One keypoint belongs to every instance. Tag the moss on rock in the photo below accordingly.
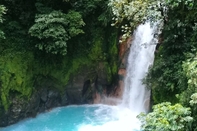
(16, 75)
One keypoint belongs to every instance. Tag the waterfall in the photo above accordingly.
(105, 117)
(141, 56)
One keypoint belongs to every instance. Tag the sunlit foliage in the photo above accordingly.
(167, 117)
(128, 14)
(55, 29)
(2, 12)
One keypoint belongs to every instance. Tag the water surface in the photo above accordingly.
(80, 118)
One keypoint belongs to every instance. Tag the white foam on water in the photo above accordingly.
(118, 119)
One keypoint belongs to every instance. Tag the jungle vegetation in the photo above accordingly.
(172, 79)
(77, 32)
(52, 39)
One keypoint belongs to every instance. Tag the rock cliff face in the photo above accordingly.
(123, 56)
(42, 99)
(81, 89)
(115, 96)
(29, 85)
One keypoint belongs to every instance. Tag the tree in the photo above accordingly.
(128, 14)
(174, 70)
(167, 117)
(54, 29)
(178, 40)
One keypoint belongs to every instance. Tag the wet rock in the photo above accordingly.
(74, 96)
(32, 106)
(16, 111)
(87, 93)
(54, 99)
(3, 118)
(97, 98)
(78, 88)
(85, 87)
(64, 99)
(81, 89)
(43, 94)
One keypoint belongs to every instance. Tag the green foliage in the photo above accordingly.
(100, 48)
(16, 76)
(130, 13)
(17, 38)
(19, 70)
(179, 38)
(42, 9)
(176, 3)
(167, 117)
(164, 78)
(194, 99)
(2, 11)
(193, 103)
(127, 15)
(190, 70)
(112, 70)
(113, 56)
(22, 65)
(55, 29)
(69, 68)
(105, 52)
(173, 76)
(96, 53)
(95, 10)
(87, 6)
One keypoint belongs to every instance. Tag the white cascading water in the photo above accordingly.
(136, 96)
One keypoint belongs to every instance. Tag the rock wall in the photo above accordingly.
(31, 84)
(44, 98)
(115, 96)
(79, 90)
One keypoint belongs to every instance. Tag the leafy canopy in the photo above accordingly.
(175, 66)
(54, 29)
(130, 13)
(166, 117)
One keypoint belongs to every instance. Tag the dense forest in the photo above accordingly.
(47, 47)
(54, 39)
